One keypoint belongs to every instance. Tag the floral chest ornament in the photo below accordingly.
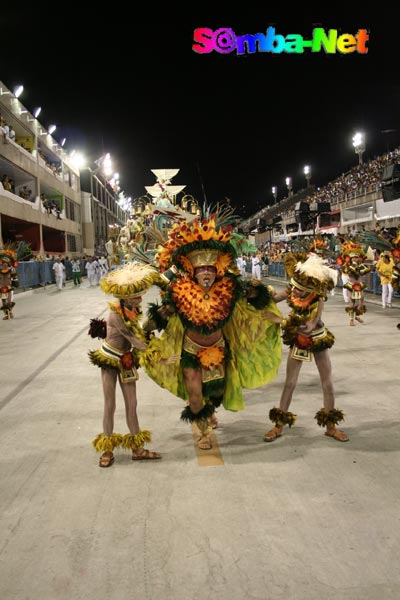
(204, 308)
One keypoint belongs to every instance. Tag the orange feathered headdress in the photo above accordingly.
(199, 243)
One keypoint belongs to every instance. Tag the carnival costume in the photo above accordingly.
(385, 245)
(8, 281)
(247, 354)
(120, 350)
(350, 261)
(313, 278)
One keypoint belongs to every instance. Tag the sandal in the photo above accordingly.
(273, 434)
(106, 459)
(359, 319)
(204, 442)
(145, 454)
(337, 434)
(351, 323)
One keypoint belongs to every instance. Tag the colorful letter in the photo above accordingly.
(274, 43)
(205, 40)
(320, 39)
(294, 43)
(346, 43)
(362, 37)
(252, 43)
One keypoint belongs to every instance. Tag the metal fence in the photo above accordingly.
(33, 274)
(371, 280)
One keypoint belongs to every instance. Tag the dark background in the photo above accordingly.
(234, 125)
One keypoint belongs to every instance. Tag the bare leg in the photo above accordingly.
(109, 379)
(323, 362)
(352, 312)
(292, 375)
(193, 384)
(130, 399)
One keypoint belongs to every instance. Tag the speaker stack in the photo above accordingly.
(302, 213)
(390, 182)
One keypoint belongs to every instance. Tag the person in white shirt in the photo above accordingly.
(59, 271)
(241, 265)
(256, 267)
(93, 271)
(6, 132)
(103, 266)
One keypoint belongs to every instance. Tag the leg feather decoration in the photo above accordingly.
(281, 417)
(98, 328)
(329, 418)
(216, 400)
(107, 443)
(132, 442)
(189, 417)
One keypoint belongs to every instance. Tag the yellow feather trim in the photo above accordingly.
(130, 280)
(131, 442)
(107, 443)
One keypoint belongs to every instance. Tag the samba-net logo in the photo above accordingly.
(225, 41)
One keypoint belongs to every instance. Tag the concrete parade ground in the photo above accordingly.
(303, 518)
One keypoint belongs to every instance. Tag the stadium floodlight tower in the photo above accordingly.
(288, 181)
(307, 174)
(359, 146)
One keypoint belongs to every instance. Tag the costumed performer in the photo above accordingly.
(306, 335)
(226, 330)
(118, 358)
(8, 281)
(351, 263)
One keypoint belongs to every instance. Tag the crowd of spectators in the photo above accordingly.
(52, 207)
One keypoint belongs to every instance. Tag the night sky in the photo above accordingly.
(234, 125)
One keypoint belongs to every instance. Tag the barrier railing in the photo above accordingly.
(34, 274)
(371, 279)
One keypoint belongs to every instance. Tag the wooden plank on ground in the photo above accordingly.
(208, 458)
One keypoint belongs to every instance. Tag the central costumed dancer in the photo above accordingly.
(226, 330)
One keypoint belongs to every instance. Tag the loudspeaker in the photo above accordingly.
(302, 207)
(391, 172)
(323, 207)
(390, 182)
(390, 192)
(261, 224)
(302, 212)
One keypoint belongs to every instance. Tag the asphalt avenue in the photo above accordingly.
(303, 518)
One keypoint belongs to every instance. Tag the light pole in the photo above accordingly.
(359, 146)
(307, 173)
(274, 193)
(289, 185)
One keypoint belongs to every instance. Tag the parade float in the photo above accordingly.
(152, 217)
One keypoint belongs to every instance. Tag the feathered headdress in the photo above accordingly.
(349, 251)
(318, 246)
(8, 258)
(314, 275)
(133, 279)
(201, 242)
